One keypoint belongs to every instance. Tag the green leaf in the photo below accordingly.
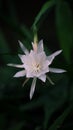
(64, 26)
(60, 119)
(47, 6)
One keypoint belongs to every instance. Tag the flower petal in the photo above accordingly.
(24, 49)
(42, 77)
(22, 57)
(40, 46)
(20, 74)
(55, 70)
(32, 88)
(15, 65)
(52, 56)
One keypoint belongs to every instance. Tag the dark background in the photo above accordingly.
(26, 12)
(12, 97)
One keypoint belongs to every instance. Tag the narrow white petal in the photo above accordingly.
(52, 56)
(20, 73)
(15, 65)
(56, 53)
(55, 70)
(32, 87)
(42, 77)
(21, 57)
(40, 46)
(24, 49)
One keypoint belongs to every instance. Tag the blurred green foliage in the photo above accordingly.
(51, 106)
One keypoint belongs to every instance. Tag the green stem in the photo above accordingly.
(35, 35)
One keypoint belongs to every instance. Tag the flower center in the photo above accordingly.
(36, 67)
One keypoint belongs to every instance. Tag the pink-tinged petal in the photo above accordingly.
(33, 87)
(15, 65)
(22, 57)
(24, 49)
(42, 77)
(52, 56)
(29, 74)
(40, 46)
(55, 70)
(46, 64)
(42, 72)
(20, 74)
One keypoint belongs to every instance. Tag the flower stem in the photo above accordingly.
(35, 35)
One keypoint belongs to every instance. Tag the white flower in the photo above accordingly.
(36, 64)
